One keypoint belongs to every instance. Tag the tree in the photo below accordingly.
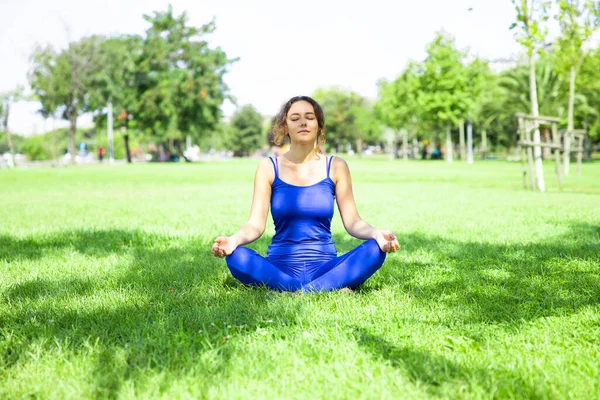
(113, 88)
(485, 99)
(496, 115)
(588, 89)
(481, 83)
(336, 103)
(246, 131)
(397, 106)
(530, 15)
(6, 100)
(62, 81)
(367, 128)
(444, 87)
(178, 80)
(549, 89)
(578, 19)
(349, 118)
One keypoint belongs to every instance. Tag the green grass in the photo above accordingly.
(108, 288)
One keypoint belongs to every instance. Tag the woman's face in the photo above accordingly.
(302, 124)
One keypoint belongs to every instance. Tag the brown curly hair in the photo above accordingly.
(280, 121)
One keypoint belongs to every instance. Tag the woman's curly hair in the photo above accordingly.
(280, 121)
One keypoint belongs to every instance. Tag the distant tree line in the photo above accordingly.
(167, 85)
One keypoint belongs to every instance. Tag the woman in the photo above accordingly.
(300, 187)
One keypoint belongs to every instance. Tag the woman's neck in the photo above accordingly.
(301, 153)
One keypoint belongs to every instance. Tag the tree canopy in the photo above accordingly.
(246, 131)
(167, 83)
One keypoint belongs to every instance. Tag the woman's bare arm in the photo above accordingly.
(255, 226)
(352, 221)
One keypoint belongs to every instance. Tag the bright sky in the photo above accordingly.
(285, 48)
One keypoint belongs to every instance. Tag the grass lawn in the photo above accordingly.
(108, 288)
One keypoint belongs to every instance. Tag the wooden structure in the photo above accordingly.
(527, 125)
(577, 137)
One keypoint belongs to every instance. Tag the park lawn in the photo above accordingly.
(108, 288)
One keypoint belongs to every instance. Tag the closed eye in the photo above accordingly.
(296, 116)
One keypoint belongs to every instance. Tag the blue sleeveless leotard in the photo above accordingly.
(302, 218)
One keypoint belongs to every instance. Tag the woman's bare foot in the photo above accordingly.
(346, 290)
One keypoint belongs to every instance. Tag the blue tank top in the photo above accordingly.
(302, 215)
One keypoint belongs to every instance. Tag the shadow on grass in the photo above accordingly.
(434, 371)
(162, 310)
(92, 243)
(170, 307)
(507, 283)
(39, 287)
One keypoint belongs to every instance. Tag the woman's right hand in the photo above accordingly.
(223, 246)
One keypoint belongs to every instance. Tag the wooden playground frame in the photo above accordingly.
(577, 136)
(527, 125)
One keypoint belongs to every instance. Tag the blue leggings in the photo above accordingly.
(348, 270)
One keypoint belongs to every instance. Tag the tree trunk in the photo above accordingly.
(11, 156)
(469, 142)
(359, 144)
(390, 148)
(537, 150)
(570, 123)
(483, 143)
(448, 145)
(181, 152)
(546, 150)
(587, 143)
(72, 130)
(110, 133)
(461, 140)
(127, 150)
(415, 148)
(405, 145)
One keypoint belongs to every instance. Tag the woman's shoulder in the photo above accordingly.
(338, 162)
(267, 162)
(339, 168)
(266, 168)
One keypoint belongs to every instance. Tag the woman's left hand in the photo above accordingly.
(387, 241)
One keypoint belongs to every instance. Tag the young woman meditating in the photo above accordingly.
(300, 188)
